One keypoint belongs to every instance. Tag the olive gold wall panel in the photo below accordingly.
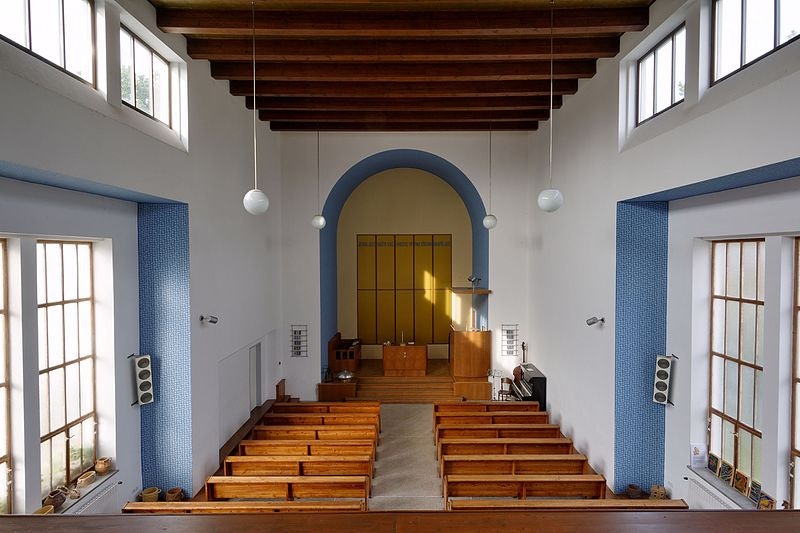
(404, 284)
(401, 203)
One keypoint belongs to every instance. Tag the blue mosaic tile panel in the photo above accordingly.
(164, 333)
(641, 326)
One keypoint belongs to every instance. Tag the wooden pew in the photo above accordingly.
(287, 487)
(226, 507)
(366, 407)
(308, 447)
(479, 406)
(514, 464)
(493, 417)
(316, 433)
(494, 431)
(467, 446)
(298, 465)
(321, 419)
(525, 485)
(542, 504)
(327, 407)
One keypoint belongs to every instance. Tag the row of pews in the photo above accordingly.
(302, 456)
(507, 455)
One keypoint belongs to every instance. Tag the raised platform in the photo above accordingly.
(435, 386)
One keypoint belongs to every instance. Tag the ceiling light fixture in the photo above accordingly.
(551, 199)
(490, 221)
(255, 201)
(318, 221)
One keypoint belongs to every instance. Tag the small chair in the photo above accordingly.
(505, 393)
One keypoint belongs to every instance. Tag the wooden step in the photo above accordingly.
(405, 379)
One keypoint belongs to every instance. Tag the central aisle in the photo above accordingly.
(406, 476)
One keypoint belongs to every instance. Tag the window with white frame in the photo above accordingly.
(145, 78)
(747, 30)
(59, 31)
(5, 407)
(66, 361)
(737, 358)
(661, 76)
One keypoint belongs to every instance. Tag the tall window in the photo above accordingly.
(59, 31)
(737, 318)
(66, 361)
(662, 76)
(795, 466)
(145, 78)
(746, 30)
(5, 410)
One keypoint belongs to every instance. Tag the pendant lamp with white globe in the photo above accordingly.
(551, 198)
(255, 201)
(318, 221)
(490, 221)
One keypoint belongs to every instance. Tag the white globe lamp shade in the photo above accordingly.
(318, 221)
(255, 202)
(489, 221)
(550, 200)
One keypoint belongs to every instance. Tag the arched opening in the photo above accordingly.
(344, 188)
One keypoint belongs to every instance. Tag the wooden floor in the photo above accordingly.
(421, 522)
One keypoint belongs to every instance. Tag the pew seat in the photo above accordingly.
(471, 446)
(514, 464)
(287, 487)
(298, 465)
(562, 503)
(308, 447)
(525, 486)
(234, 507)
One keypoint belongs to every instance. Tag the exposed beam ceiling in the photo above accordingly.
(402, 65)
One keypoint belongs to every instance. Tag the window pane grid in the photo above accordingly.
(6, 477)
(145, 78)
(748, 30)
(661, 74)
(60, 32)
(66, 368)
(735, 361)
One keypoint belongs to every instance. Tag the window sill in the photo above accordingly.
(71, 506)
(723, 489)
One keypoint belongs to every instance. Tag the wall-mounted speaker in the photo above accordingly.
(143, 367)
(662, 378)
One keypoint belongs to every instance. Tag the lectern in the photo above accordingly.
(470, 361)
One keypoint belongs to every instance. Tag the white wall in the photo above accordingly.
(235, 257)
(509, 242)
(742, 123)
(28, 211)
(764, 210)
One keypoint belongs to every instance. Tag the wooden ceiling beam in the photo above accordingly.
(510, 103)
(385, 5)
(402, 24)
(394, 50)
(400, 90)
(400, 72)
(523, 125)
(324, 117)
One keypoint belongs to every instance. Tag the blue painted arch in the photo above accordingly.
(358, 173)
